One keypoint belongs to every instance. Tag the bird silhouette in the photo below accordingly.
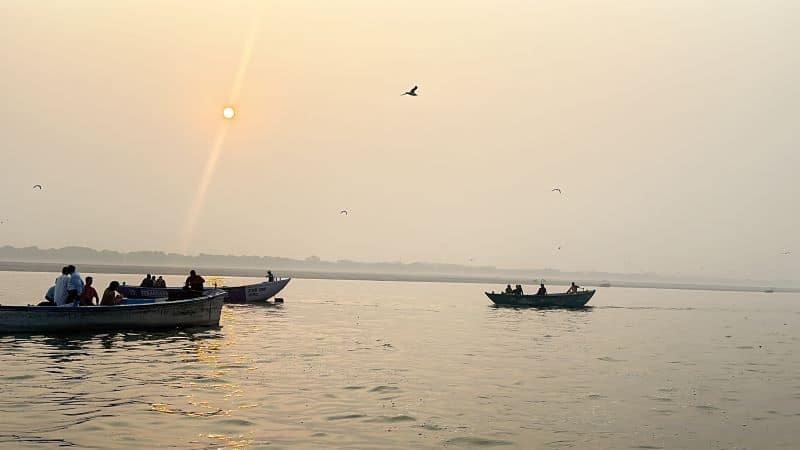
(556, 189)
(344, 211)
(412, 92)
(37, 186)
(786, 252)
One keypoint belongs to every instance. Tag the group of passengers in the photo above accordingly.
(153, 282)
(69, 289)
(573, 289)
(515, 291)
(194, 282)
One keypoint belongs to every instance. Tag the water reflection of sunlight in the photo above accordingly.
(211, 378)
(234, 442)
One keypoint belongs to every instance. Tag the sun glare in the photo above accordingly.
(228, 112)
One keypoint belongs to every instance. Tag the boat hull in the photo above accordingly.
(577, 300)
(251, 293)
(202, 311)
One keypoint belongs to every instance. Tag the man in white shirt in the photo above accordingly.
(75, 286)
(60, 295)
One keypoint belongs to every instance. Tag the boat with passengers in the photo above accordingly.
(251, 293)
(577, 299)
(203, 310)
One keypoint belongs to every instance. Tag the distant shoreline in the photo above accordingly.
(17, 266)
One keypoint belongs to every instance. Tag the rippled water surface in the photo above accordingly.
(353, 364)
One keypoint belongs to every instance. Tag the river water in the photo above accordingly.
(352, 364)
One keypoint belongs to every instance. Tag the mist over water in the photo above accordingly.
(391, 365)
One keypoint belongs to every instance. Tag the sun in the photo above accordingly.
(228, 112)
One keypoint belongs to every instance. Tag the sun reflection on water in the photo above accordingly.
(232, 442)
(208, 378)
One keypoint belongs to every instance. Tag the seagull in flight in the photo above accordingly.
(39, 186)
(344, 211)
(556, 189)
(412, 92)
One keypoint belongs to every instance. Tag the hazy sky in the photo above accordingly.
(671, 127)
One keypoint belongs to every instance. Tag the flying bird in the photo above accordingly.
(556, 189)
(39, 186)
(786, 252)
(412, 92)
(344, 211)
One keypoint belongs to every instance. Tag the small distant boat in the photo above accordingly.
(605, 284)
(577, 300)
(769, 291)
(142, 314)
(251, 293)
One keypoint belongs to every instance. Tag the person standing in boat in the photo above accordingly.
(60, 293)
(542, 290)
(518, 290)
(573, 288)
(508, 289)
(75, 286)
(270, 276)
(194, 282)
(89, 295)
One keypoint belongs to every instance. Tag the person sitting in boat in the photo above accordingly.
(147, 282)
(89, 296)
(508, 289)
(48, 297)
(573, 288)
(194, 282)
(110, 296)
(542, 290)
(160, 282)
(270, 276)
(518, 290)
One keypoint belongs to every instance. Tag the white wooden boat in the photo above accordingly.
(203, 311)
(259, 292)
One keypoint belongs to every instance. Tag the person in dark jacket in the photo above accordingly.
(194, 282)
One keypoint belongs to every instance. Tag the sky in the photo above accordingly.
(670, 127)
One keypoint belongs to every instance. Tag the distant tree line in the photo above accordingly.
(75, 254)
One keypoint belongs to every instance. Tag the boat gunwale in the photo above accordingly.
(172, 303)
